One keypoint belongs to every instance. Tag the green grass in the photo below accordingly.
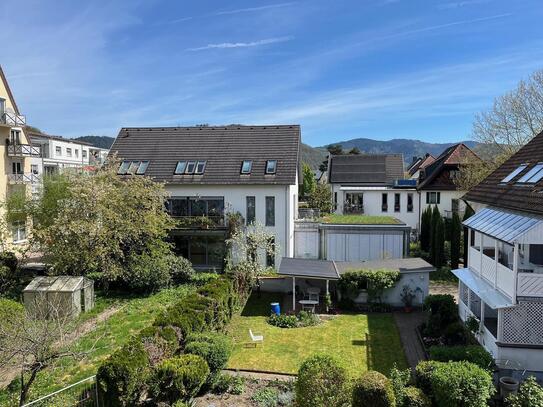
(135, 314)
(361, 341)
(359, 219)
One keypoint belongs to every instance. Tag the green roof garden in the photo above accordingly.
(359, 220)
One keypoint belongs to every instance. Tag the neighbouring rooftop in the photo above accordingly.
(366, 169)
(359, 220)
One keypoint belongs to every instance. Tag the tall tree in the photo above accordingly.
(514, 119)
(309, 182)
(333, 149)
(321, 198)
(467, 214)
(354, 151)
(437, 239)
(456, 233)
(425, 229)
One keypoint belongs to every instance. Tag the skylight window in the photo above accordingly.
(191, 166)
(271, 166)
(123, 167)
(531, 176)
(246, 166)
(515, 172)
(200, 167)
(180, 167)
(142, 167)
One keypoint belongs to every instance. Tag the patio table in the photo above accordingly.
(308, 304)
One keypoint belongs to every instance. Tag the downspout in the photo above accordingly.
(287, 222)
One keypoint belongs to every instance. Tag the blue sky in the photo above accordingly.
(342, 69)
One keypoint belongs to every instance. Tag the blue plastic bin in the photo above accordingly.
(275, 308)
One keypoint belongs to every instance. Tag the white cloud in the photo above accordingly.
(225, 45)
(252, 9)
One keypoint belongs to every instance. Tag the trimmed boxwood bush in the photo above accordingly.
(471, 353)
(122, 376)
(461, 384)
(415, 397)
(423, 375)
(373, 389)
(442, 312)
(178, 378)
(215, 348)
(159, 343)
(322, 382)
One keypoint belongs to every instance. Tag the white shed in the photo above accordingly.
(71, 295)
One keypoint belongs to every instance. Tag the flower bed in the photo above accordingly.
(301, 320)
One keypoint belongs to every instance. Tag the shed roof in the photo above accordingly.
(506, 226)
(57, 284)
(308, 268)
(407, 265)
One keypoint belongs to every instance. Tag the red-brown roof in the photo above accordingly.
(513, 195)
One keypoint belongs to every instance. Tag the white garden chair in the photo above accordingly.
(255, 339)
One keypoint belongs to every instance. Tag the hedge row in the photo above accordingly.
(147, 363)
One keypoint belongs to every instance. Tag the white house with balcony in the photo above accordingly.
(502, 283)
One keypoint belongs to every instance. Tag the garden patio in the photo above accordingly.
(361, 341)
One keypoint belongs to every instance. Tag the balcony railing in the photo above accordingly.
(27, 178)
(309, 213)
(12, 119)
(356, 209)
(200, 222)
(23, 150)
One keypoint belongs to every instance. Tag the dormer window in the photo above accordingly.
(191, 166)
(513, 174)
(200, 167)
(246, 166)
(532, 176)
(271, 166)
(180, 167)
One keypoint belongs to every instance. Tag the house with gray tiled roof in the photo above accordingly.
(502, 283)
(211, 171)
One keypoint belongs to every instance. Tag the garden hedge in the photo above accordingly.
(423, 375)
(123, 376)
(415, 397)
(322, 382)
(214, 348)
(471, 353)
(178, 378)
(373, 389)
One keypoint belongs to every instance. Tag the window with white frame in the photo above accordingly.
(76, 153)
(84, 153)
(69, 152)
(18, 230)
(58, 150)
(433, 198)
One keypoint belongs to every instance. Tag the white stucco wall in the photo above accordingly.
(235, 201)
(445, 204)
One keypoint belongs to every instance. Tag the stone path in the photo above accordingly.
(407, 324)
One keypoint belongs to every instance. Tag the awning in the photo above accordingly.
(491, 296)
(308, 268)
(505, 226)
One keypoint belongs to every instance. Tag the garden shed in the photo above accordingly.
(70, 295)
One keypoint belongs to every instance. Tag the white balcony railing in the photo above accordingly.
(23, 150)
(12, 119)
(27, 178)
(488, 269)
(530, 285)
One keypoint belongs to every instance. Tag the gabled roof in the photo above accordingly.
(512, 195)
(223, 148)
(8, 90)
(451, 158)
(365, 169)
(422, 162)
(34, 136)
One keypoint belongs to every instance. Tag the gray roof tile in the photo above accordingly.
(370, 169)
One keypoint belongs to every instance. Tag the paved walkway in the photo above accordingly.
(407, 324)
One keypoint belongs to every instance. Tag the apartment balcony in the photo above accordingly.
(23, 150)
(200, 222)
(26, 178)
(12, 119)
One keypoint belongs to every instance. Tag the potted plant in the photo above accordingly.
(407, 297)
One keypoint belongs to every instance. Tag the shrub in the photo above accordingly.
(121, 378)
(415, 397)
(472, 353)
(399, 380)
(159, 343)
(10, 276)
(308, 319)
(373, 389)
(9, 259)
(222, 383)
(374, 281)
(442, 312)
(266, 397)
(322, 382)
(237, 385)
(423, 375)
(456, 334)
(214, 348)
(178, 378)
(181, 270)
(283, 320)
(530, 394)
(461, 384)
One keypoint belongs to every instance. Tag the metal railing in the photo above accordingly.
(83, 393)
(12, 119)
(24, 150)
(309, 213)
(201, 222)
(353, 209)
(26, 178)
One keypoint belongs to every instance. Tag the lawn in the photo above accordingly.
(361, 341)
(359, 219)
(135, 314)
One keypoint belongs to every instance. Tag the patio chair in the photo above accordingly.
(255, 339)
